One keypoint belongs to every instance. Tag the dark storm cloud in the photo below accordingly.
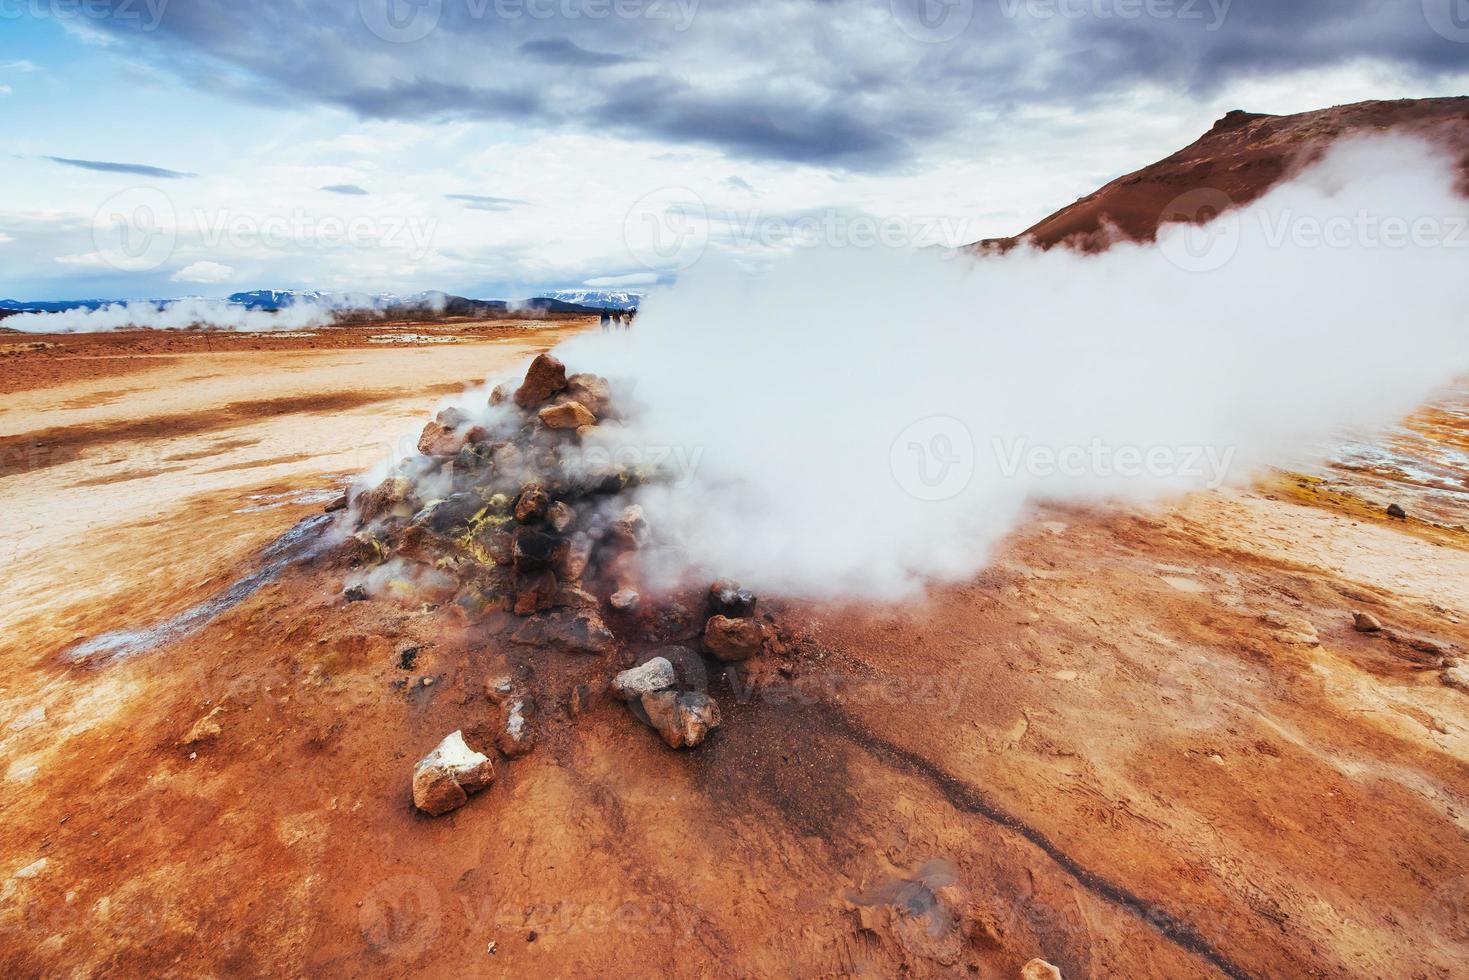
(138, 169)
(483, 202)
(345, 189)
(855, 84)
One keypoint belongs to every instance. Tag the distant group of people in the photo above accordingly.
(621, 319)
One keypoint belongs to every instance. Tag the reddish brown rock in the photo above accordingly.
(575, 558)
(733, 639)
(570, 630)
(683, 720)
(536, 593)
(591, 391)
(1365, 622)
(531, 505)
(567, 415)
(727, 599)
(441, 438)
(443, 779)
(545, 378)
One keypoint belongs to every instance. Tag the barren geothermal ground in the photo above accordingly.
(1142, 743)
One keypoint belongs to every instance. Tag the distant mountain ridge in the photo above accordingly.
(577, 301)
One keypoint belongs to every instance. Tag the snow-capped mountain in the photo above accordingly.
(612, 299)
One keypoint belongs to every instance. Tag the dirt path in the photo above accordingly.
(1144, 743)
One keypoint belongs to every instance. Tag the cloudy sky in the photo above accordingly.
(498, 148)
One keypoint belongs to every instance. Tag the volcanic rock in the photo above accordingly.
(1366, 622)
(1039, 969)
(533, 550)
(591, 390)
(573, 563)
(571, 597)
(500, 688)
(531, 505)
(733, 639)
(689, 670)
(536, 592)
(1393, 510)
(575, 631)
(726, 598)
(499, 394)
(624, 600)
(545, 378)
(394, 496)
(355, 593)
(339, 503)
(514, 737)
(206, 729)
(455, 511)
(1456, 676)
(683, 720)
(440, 438)
(443, 779)
(567, 415)
(654, 675)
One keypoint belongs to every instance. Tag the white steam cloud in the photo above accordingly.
(860, 422)
(182, 314)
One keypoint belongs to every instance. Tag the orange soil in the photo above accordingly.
(1121, 735)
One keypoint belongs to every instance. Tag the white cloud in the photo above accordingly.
(5, 239)
(22, 65)
(618, 282)
(88, 260)
(204, 272)
(5, 90)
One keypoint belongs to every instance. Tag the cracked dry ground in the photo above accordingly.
(1147, 742)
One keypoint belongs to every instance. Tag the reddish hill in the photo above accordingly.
(1242, 156)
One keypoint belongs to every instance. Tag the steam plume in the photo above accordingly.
(816, 402)
(179, 314)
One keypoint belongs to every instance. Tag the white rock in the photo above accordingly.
(33, 869)
(443, 779)
(1039, 969)
(655, 675)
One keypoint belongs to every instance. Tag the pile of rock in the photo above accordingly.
(510, 506)
(547, 548)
